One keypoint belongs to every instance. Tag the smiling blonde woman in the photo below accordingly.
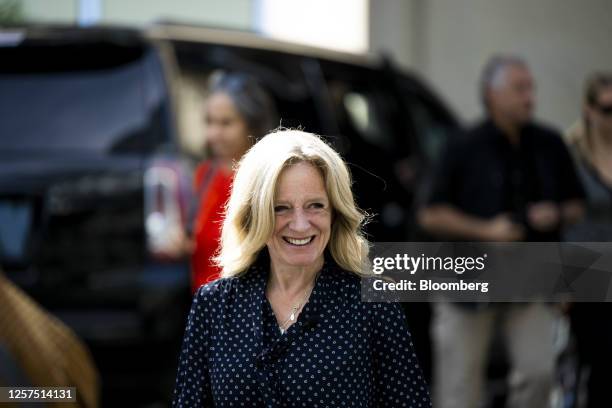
(250, 212)
(285, 325)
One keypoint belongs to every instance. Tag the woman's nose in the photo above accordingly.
(300, 221)
(212, 133)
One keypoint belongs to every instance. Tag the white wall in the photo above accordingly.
(335, 24)
(392, 28)
(449, 41)
(62, 11)
(222, 13)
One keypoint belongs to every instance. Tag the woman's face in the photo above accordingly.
(302, 219)
(600, 114)
(226, 131)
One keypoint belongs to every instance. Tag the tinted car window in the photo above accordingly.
(432, 130)
(114, 106)
(432, 123)
(367, 108)
(364, 117)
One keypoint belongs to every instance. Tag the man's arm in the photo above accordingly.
(447, 221)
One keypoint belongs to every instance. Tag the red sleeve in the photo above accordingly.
(208, 223)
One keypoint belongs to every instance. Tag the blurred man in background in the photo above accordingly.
(509, 179)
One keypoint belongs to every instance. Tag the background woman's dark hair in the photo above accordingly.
(252, 102)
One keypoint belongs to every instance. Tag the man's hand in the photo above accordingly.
(448, 222)
(544, 216)
(501, 228)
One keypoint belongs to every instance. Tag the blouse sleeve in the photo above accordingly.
(398, 378)
(193, 381)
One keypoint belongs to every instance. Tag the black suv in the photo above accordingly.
(91, 187)
(93, 180)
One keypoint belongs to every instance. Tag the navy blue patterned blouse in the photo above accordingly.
(340, 352)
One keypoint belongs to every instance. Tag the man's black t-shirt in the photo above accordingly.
(484, 175)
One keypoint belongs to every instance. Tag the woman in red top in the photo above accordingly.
(238, 113)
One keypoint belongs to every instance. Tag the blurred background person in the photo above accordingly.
(238, 112)
(509, 179)
(590, 141)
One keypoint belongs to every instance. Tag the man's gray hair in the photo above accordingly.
(494, 73)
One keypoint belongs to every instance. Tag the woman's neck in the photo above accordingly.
(602, 140)
(226, 164)
(291, 280)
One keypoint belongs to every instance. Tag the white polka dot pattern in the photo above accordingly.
(340, 353)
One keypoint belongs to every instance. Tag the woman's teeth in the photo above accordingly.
(294, 241)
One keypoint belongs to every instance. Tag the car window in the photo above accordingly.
(427, 117)
(364, 117)
(363, 114)
(431, 130)
(432, 125)
(117, 105)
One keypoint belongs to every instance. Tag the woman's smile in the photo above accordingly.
(300, 242)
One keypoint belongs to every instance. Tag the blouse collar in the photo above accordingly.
(312, 313)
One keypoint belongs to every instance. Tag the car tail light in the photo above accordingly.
(166, 195)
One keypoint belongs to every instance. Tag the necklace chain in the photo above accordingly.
(284, 326)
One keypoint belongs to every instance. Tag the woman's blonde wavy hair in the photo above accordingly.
(580, 133)
(249, 219)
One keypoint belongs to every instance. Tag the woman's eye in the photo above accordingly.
(317, 206)
(280, 208)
